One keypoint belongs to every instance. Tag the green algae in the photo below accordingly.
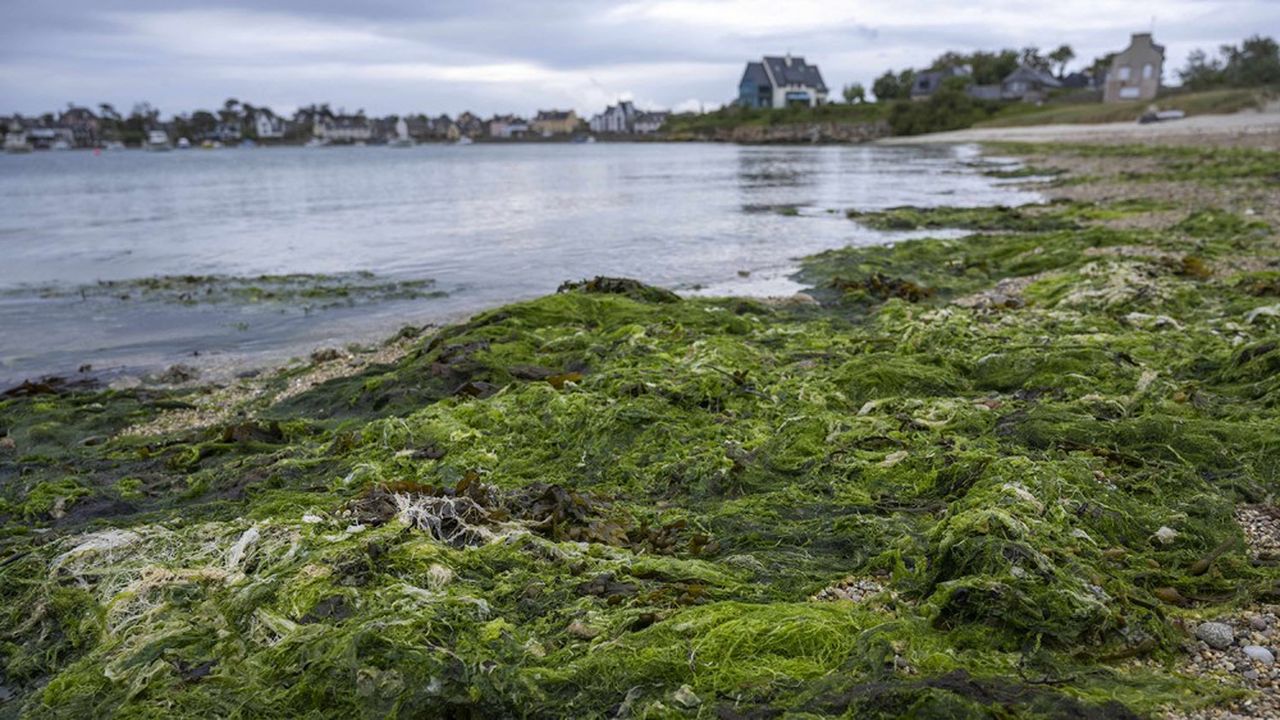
(323, 290)
(614, 501)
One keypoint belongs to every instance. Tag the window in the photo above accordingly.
(1147, 70)
(1124, 72)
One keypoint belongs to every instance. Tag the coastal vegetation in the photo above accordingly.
(991, 475)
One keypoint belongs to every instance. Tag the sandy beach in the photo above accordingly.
(1244, 129)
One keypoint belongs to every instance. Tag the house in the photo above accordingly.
(46, 138)
(929, 82)
(555, 122)
(343, 128)
(445, 128)
(647, 123)
(1080, 81)
(266, 126)
(618, 118)
(225, 132)
(82, 123)
(470, 125)
(778, 82)
(508, 127)
(1135, 71)
(1028, 84)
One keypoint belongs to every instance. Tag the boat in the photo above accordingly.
(157, 141)
(315, 143)
(60, 144)
(402, 139)
(16, 142)
(184, 144)
(464, 140)
(113, 145)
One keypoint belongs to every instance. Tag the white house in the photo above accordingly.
(647, 123)
(346, 128)
(618, 118)
(779, 82)
(267, 126)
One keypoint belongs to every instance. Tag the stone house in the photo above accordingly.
(555, 122)
(1135, 71)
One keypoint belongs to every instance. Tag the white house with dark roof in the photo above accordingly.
(778, 82)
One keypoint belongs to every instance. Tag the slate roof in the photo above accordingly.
(754, 75)
(793, 71)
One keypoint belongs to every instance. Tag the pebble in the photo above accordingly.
(1257, 653)
(1257, 622)
(1215, 634)
(852, 589)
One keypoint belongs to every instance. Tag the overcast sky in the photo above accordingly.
(397, 56)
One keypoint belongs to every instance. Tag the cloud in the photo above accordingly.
(490, 56)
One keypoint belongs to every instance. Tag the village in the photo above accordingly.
(1131, 75)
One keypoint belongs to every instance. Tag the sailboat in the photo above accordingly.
(402, 138)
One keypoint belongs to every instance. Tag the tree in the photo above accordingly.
(855, 93)
(1101, 65)
(886, 87)
(1063, 55)
(1255, 62)
(1032, 58)
(985, 68)
(1201, 71)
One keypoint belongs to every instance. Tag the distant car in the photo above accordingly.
(1161, 116)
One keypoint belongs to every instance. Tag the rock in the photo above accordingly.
(582, 630)
(685, 697)
(1257, 653)
(178, 374)
(1215, 634)
(1258, 623)
(1251, 675)
(1166, 535)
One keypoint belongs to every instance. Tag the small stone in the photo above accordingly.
(1258, 622)
(582, 630)
(685, 697)
(1166, 535)
(1251, 675)
(1215, 634)
(1257, 653)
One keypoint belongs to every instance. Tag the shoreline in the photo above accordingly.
(1030, 466)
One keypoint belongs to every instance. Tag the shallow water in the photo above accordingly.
(488, 223)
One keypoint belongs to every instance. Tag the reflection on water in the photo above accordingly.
(488, 223)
